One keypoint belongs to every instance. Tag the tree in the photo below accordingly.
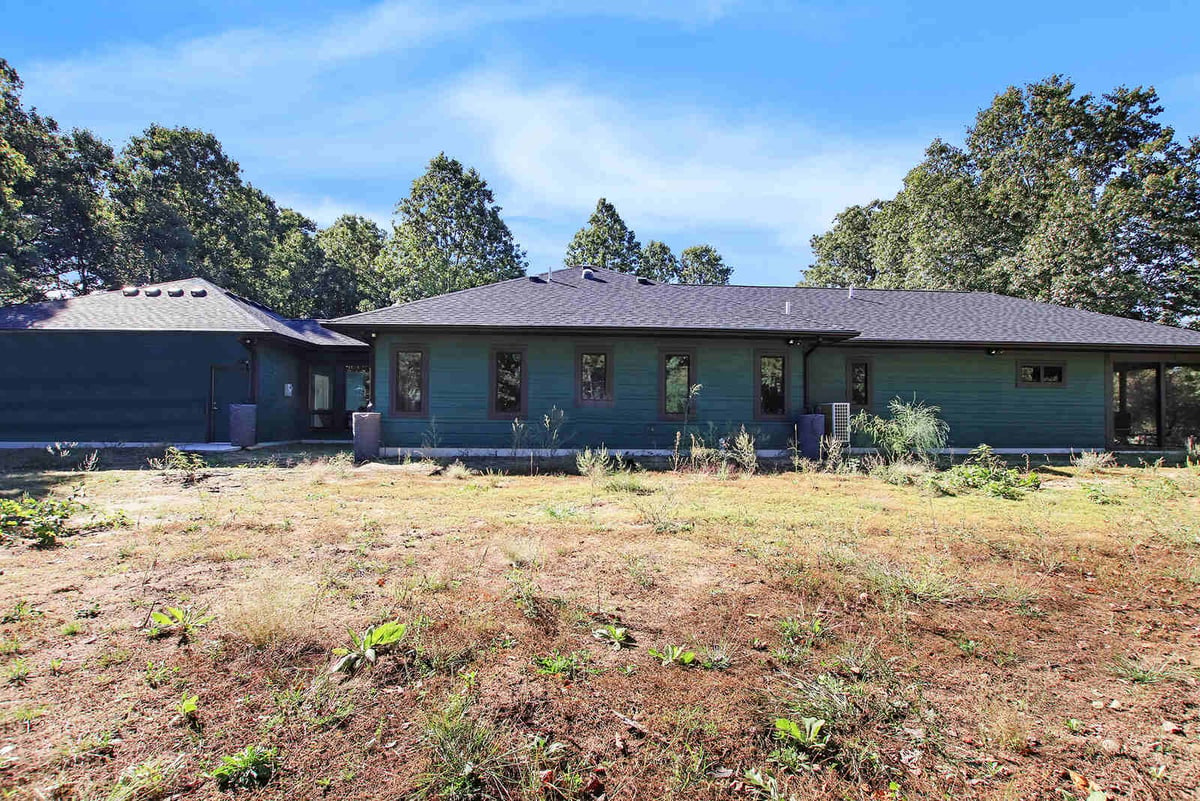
(352, 244)
(605, 242)
(55, 232)
(658, 262)
(182, 209)
(702, 264)
(448, 235)
(1056, 196)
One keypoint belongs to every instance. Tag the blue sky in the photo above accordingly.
(743, 125)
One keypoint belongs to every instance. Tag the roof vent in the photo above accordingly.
(787, 307)
(850, 293)
(129, 291)
(199, 293)
(537, 279)
(644, 280)
(175, 292)
(153, 293)
(588, 273)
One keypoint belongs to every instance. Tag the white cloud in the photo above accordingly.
(559, 147)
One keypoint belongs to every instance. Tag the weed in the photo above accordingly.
(1096, 493)
(70, 628)
(251, 767)
(1073, 725)
(523, 591)
(914, 430)
(17, 671)
(615, 637)
(146, 780)
(44, 521)
(23, 610)
(157, 675)
(56, 667)
(467, 759)
(182, 466)
(1089, 462)
(366, 648)
(743, 451)
(184, 621)
(594, 464)
(188, 709)
(1135, 670)
(569, 665)
(673, 655)
(10, 646)
(627, 482)
(639, 569)
(457, 471)
(716, 657)
(985, 471)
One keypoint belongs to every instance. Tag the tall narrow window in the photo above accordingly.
(595, 377)
(859, 380)
(508, 382)
(410, 390)
(320, 398)
(772, 391)
(676, 384)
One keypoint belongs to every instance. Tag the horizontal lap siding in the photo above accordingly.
(128, 387)
(977, 393)
(458, 388)
(281, 417)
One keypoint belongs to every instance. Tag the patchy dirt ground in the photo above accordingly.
(951, 646)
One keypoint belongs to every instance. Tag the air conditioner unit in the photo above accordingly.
(837, 421)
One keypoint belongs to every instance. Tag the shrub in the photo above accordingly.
(1093, 461)
(913, 431)
(176, 465)
(985, 471)
(43, 521)
(743, 451)
(595, 464)
(251, 767)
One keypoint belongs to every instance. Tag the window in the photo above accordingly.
(358, 387)
(410, 389)
(508, 382)
(1041, 374)
(320, 398)
(595, 377)
(771, 380)
(858, 381)
(676, 384)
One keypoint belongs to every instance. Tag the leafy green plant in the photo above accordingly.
(251, 767)
(22, 610)
(985, 471)
(557, 663)
(1096, 493)
(914, 430)
(183, 466)
(673, 655)
(188, 708)
(616, 637)
(184, 621)
(716, 657)
(44, 521)
(367, 647)
(17, 671)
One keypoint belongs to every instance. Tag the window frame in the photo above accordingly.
(611, 396)
(523, 409)
(329, 370)
(759, 354)
(693, 376)
(394, 407)
(1040, 384)
(870, 365)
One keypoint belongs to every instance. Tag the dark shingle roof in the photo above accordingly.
(188, 305)
(615, 301)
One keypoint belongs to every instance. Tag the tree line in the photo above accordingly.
(1085, 201)
(77, 216)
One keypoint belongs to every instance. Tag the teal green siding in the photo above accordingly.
(110, 387)
(280, 417)
(978, 393)
(458, 389)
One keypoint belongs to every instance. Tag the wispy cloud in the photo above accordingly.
(560, 147)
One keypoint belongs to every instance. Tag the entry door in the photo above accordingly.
(229, 383)
(320, 398)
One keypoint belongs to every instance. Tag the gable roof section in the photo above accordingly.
(193, 304)
(616, 301)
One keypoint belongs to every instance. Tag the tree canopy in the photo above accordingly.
(606, 241)
(1057, 196)
(448, 235)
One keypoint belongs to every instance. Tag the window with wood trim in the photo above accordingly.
(508, 382)
(676, 383)
(1041, 374)
(770, 378)
(595, 376)
(410, 389)
(858, 382)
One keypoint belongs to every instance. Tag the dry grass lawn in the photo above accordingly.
(951, 646)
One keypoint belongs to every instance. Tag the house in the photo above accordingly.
(163, 363)
(620, 356)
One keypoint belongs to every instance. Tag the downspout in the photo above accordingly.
(252, 369)
(804, 367)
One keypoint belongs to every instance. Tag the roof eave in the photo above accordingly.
(827, 334)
